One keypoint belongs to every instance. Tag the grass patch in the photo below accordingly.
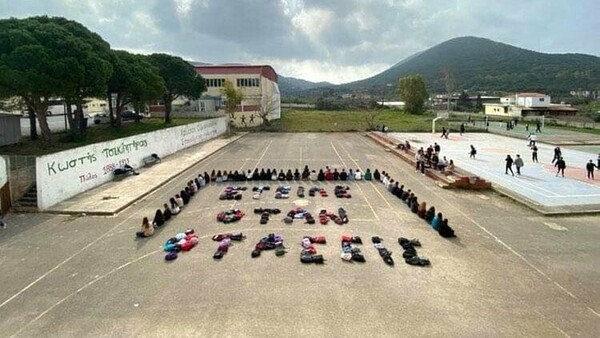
(576, 129)
(349, 121)
(99, 133)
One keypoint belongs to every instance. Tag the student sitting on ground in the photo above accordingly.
(351, 176)
(274, 175)
(321, 175)
(184, 196)
(249, 175)
(313, 176)
(343, 175)
(391, 185)
(358, 176)
(437, 221)
(225, 176)
(394, 187)
(197, 182)
(336, 175)
(430, 214)
(305, 173)
(414, 207)
(159, 219)
(376, 176)
(175, 208)
(445, 230)
(282, 176)
(213, 176)
(405, 195)
(422, 210)
(166, 212)
(186, 193)
(219, 177)
(400, 192)
(296, 175)
(179, 200)
(206, 178)
(147, 229)
(328, 174)
(368, 175)
(193, 187)
(265, 175)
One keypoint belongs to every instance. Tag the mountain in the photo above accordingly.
(481, 65)
(290, 86)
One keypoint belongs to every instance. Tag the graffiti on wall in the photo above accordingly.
(192, 134)
(65, 174)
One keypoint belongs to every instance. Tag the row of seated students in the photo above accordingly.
(172, 208)
(263, 174)
(436, 221)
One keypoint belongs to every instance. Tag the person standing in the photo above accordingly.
(526, 126)
(590, 169)
(538, 126)
(561, 165)
(534, 154)
(509, 163)
(436, 147)
(472, 152)
(519, 163)
(557, 154)
(598, 165)
(462, 128)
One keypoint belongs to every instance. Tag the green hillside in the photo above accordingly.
(484, 65)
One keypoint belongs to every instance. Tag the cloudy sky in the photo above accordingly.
(323, 40)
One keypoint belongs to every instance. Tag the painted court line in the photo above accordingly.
(358, 185)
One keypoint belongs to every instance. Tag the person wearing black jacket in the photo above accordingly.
(321, 175)
(343, 175)
(509, 162)
(590, 169)
(561, 165)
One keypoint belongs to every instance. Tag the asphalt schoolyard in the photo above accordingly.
(510, 271)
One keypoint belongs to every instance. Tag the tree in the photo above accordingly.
(413, 92)
(450, 83)
(463, 103)
(479, 103)
(43, 58)
(180, 79)
(86, 67)
(233, 98)
(134, 80)
(28, 65)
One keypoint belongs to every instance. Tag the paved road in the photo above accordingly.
(509, 273)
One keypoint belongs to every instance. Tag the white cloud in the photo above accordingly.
(333, 40)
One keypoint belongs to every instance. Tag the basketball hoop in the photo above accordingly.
(440, 115)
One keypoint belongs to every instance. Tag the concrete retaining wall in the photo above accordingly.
(68, 173)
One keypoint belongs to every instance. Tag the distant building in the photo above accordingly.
(528, 104)
(94, 106)
(257, 82)
(593, 94)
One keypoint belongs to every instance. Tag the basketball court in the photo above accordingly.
(537, 186)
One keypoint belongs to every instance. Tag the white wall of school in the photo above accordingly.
(63, 175)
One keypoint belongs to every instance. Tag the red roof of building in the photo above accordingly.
(227, 69)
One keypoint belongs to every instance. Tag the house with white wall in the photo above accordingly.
(528, 104)
(258, 84)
